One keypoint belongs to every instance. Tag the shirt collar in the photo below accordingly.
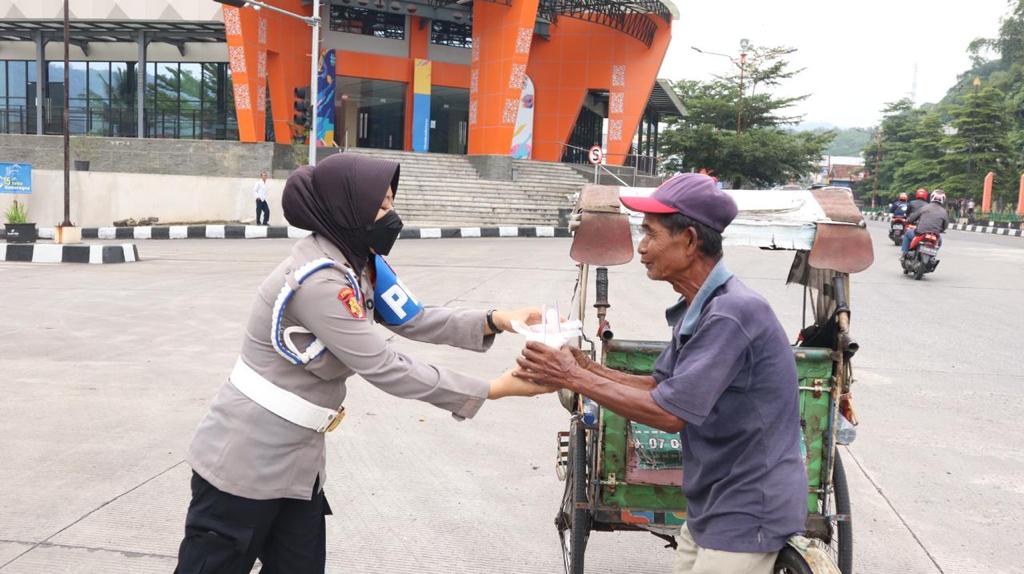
(690, 312)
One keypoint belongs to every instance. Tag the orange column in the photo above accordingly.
(502, 36)
(1020, 197)
(986, 196)
(582, 56)
(419, 46)
(246, 32)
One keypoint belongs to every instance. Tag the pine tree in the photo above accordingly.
(979, 145)
(923, 167)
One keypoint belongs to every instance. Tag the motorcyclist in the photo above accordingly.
(920, 200)
(932, 218)
(898, 208)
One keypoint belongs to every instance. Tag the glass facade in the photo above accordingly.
(445, 33)
(182, 99)
(370, 113)
(449, 120)
(367, 22)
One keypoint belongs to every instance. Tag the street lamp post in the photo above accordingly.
(740, 63)
(314, 23)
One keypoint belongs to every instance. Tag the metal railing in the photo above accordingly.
(641, 164)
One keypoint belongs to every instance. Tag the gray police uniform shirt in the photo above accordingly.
(243, 449)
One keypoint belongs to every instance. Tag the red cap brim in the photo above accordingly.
(646, 205)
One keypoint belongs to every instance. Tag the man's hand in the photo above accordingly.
(547, 366)
(582, 359)
(529, 315)
(509, 385)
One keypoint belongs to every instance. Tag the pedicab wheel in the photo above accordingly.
(789, 561)
(574, 518)
(841, 545)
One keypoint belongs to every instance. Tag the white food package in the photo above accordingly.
(550, 331)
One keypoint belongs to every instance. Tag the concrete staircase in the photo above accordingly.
(441, 190)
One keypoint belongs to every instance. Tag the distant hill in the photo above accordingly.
(848, 141)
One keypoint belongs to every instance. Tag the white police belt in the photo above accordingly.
(285, 404)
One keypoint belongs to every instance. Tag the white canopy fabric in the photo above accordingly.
(777, 219)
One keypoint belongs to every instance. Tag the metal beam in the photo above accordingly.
(140, 86)
(40, 79)
(83, 45)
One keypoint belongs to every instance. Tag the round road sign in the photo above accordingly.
(595, 155)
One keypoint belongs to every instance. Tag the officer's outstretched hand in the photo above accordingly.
(509, 385)
(529, 315)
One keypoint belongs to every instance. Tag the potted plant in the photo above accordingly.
(18, 230)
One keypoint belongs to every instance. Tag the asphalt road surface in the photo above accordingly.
(105, 371)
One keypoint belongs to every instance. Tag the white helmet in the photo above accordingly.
(938, 196)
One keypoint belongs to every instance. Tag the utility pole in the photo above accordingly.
(67, 135)
(739, 102)
(878, 160)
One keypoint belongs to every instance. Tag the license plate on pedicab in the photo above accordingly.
(929, 250)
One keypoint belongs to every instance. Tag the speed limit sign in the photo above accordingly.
(595, 155)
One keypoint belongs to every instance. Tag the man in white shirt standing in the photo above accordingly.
(260, 191)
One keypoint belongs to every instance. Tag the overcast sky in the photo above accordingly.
(857, 55)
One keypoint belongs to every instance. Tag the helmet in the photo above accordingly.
(939, 196)
(903, 197)
(922, 193)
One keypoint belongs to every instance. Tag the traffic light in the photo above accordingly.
(302, 107)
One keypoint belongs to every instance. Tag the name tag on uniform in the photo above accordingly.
(394, 303)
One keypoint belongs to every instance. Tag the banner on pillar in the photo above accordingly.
(325, 101)
(522, 137)
(421, 105)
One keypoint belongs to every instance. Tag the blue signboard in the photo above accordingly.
(325, 101)
(16, 178)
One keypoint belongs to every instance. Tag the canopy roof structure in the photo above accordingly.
(85, 31)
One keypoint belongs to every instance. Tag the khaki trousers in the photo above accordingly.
(693, 559)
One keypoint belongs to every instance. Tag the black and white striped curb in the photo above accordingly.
(55, 253)
(974, 228)
(288, 232)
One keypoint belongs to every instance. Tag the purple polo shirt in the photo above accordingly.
(730, 375)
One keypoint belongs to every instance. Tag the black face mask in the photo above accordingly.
(382, 234)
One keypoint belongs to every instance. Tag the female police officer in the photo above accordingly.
(258, 456)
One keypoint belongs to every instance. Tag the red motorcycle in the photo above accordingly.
(923, 256)
(897, 228)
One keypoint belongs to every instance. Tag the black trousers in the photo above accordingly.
(262, 207)
(225, 534)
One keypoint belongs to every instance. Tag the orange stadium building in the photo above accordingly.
(585, 69)
(589, 61)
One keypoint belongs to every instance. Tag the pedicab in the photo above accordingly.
(624, 476)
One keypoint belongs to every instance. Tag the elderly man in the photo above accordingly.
(727, 383)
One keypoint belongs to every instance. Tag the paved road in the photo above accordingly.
(106, 370)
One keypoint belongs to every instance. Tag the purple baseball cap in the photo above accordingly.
(694, 195)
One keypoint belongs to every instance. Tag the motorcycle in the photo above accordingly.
(897, 228)
(923, 256)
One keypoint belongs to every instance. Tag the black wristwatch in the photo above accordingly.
(490, 322)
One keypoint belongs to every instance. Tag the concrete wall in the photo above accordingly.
(119, 52)
(449, 54)
(100, 198)
(152, 156)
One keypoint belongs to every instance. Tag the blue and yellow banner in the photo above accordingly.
(421, 105)
(325, 101)
(16, 178)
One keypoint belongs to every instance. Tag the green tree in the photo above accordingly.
(892, 148)
(923, 166)
(763, 152)
(979, 145)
